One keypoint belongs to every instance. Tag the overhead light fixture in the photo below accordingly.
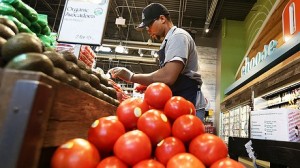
(154, 54)
(120, 21)
(206, 30)
(140, 52)
(125, 50)
(120, 49)
(149, 42)
(103, 49)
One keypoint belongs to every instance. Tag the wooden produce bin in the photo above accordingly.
(39, 113)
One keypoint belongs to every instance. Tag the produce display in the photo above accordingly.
(87, 55)
(25, 51)
(142, 136)
(27, 20)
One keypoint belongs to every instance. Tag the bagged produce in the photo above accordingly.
(46, 31)
(22, 27)
(26, 10)
(36, 28)
(42, 20)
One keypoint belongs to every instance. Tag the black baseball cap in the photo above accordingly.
(151, 12)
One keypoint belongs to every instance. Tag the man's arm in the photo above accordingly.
(167, 74)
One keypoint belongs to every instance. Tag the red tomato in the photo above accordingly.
(227, 163)
(167, 148)
(192, 108)
(130, 110)
(112, 162)
(187, 127)
(133, 147)
(150, 163)
(155, 124)
(208, 148)
(184, 160)
(75, 153)
(176, 106)
(140, 88)
(157, 94)
(104, 132)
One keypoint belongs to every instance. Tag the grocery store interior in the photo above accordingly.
(62, 106)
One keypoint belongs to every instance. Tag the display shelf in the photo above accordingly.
(282, 89)
(38, 112)
(235, 122)
(279, 103)
(280, 154)
(277, 98)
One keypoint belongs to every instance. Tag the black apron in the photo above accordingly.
(183, 86)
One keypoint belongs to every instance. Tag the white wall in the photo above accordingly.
(208, 69)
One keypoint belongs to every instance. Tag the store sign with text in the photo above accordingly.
(291, 19)
(83, 22)
(260, 56)
(270, 55)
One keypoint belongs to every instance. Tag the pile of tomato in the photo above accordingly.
(159, 131)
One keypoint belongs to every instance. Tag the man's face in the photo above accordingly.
(154, 29)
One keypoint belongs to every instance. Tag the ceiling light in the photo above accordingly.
(119, 49)
(206, 30)
(140, 52)
(125, 50)
(103, 49)
(154, 53)
(149, 42)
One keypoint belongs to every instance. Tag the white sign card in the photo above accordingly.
(83, 21)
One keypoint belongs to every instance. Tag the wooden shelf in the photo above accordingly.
(38, 112)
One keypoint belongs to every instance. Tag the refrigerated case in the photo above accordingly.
(287, 96)
(234, 123)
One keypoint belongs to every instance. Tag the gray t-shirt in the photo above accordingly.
(180, 46)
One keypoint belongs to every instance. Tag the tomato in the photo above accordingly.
(192, 107)
(150, 163)
(133, 147)
(176, 107)
(157, 94)
(140, 88)
(112, 162)
(208, 148)
(130, 110)
(75, 153)
(155, 124)
(227, 163)
(187, 127)
(167, 148)
(184, 160)
(104, 132)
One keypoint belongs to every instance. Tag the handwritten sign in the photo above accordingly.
(83, 22)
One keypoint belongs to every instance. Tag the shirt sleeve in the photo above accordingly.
(177, 48)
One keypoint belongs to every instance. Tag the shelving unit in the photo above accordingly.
(285, 96)
(235, 122)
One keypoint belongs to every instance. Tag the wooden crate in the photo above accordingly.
(38, 113)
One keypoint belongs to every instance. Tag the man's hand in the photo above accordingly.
(122, 73)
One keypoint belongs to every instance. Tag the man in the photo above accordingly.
(177, 57)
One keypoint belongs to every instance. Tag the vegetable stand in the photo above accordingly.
(38, 112)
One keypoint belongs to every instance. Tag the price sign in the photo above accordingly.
(83, 21)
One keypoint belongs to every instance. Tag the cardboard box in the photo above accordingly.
(275, 124)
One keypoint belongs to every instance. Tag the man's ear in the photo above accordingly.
(163, 18)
